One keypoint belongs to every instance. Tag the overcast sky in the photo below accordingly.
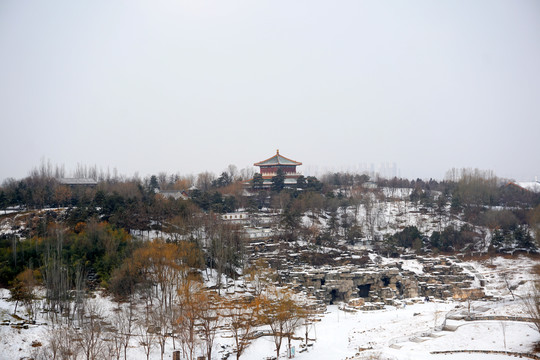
(189, 86)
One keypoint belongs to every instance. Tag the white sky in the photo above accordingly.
(188, 86)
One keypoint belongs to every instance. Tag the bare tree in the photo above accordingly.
(510, 287)
(534, 223)
(160, 263)
(113, 344)
(233, 172)
(79, 294)
(308, 320)
(147, 336)
(124, 322)
(159, 320)
(247, 173)
(226, 248)
(296, 316)
(56, 277)
(531, 304)
(189, 297)
(368, 201)
(22, 290)
(259, 276)
(240, 316)
(281, 314)
(204, 180)
(90, 334)
(209, 318)
(166, 266)
(61, 343)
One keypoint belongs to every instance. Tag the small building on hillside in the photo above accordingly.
(270, 167)
(236, 218)
(173, 194)
(77, 182)
(369, 185)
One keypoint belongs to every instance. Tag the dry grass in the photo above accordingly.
(536, 270)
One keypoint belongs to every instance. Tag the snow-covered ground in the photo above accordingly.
(409, 332)
(382, 216)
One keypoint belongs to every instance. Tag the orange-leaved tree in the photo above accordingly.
(241, 316)
(189, 313)
(167, 267)
(210, 307)
(282, 314)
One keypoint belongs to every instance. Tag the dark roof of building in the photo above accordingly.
(77, 181)
(277, 160)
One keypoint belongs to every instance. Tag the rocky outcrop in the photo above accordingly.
(441, 278)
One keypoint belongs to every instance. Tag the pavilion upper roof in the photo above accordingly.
(277, 160)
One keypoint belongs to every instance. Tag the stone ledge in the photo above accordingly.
(511, 353)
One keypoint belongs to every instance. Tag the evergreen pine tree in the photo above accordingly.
(278, 181)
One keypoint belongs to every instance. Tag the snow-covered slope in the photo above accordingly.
(409, 332)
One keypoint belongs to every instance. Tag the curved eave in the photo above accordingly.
(278, 164)
(268, 161)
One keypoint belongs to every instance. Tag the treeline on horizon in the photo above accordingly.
(94, 233)
(465, 188)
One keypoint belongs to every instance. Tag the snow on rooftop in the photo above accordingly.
(533, 186)
(77, 181)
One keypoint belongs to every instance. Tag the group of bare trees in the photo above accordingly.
(161, 300)
(86, 336)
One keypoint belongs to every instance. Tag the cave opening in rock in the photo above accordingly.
(336, 296)
(363, 290)
(399, 288)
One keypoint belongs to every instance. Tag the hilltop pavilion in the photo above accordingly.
(270, 167)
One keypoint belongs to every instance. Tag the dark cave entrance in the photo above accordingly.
(335, 296)
(399, 288)
(363, 290)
